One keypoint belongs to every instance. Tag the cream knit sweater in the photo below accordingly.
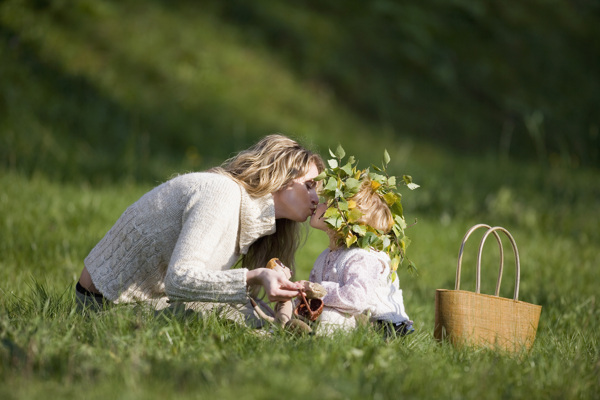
(179, 241)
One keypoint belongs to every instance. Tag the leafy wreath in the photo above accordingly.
(340, 183)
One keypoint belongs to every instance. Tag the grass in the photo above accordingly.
(49, 348)
(130, 353)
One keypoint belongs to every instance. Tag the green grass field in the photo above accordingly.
(101, 100)
(49, 349)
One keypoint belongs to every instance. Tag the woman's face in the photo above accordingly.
(298, 200)
(316, 220)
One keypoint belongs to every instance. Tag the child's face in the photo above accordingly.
(316, 220)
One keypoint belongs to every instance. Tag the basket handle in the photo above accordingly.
(460, 255)
(517, 261)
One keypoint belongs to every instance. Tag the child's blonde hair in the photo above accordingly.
(375, 211)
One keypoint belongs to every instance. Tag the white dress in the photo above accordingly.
(358, 281)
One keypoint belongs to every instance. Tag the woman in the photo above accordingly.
(179, 242)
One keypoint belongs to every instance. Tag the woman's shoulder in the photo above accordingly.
(205, 177)
(205, 181)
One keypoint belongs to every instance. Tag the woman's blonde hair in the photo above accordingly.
(268, 166)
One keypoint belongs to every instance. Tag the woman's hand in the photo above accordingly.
(277, 286)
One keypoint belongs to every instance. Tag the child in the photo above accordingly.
(363, 218)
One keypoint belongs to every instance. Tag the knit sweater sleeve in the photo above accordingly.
(206, 248)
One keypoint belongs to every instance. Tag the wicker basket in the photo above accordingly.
(475, 319)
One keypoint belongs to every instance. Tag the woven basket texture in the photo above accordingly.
(468, 318)
(476, 319)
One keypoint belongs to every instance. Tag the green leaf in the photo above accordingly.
(352, 183)
(398, 232)
(412, 268)
(335, 222)
(400, 221)
(320, 177)
(377, 177)
(331, 153)
(395, 263)
(339, 152)
(350, 193)
(331, 184)
(331, 212)
(407, 242)
(412, 186)
(386, 157)
(354, 215)
(343, 205)
(350, 239)
(386, 242)
(377, 242)
(359, 229)
(332, 163)
(369, 238)
(390, 198)
(363, 242)
(396, 208)
(392, 181)
(347, 169)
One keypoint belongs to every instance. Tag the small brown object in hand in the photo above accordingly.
(310, 309)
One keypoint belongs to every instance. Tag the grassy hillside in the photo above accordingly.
(92, 93)
(108, 90)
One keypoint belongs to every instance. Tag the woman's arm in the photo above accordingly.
(207, 246)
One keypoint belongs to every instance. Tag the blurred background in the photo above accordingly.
(101, 90)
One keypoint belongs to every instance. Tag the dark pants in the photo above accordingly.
(89, 300)
(391, 330)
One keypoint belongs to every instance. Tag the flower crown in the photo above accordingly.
(340, 183)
